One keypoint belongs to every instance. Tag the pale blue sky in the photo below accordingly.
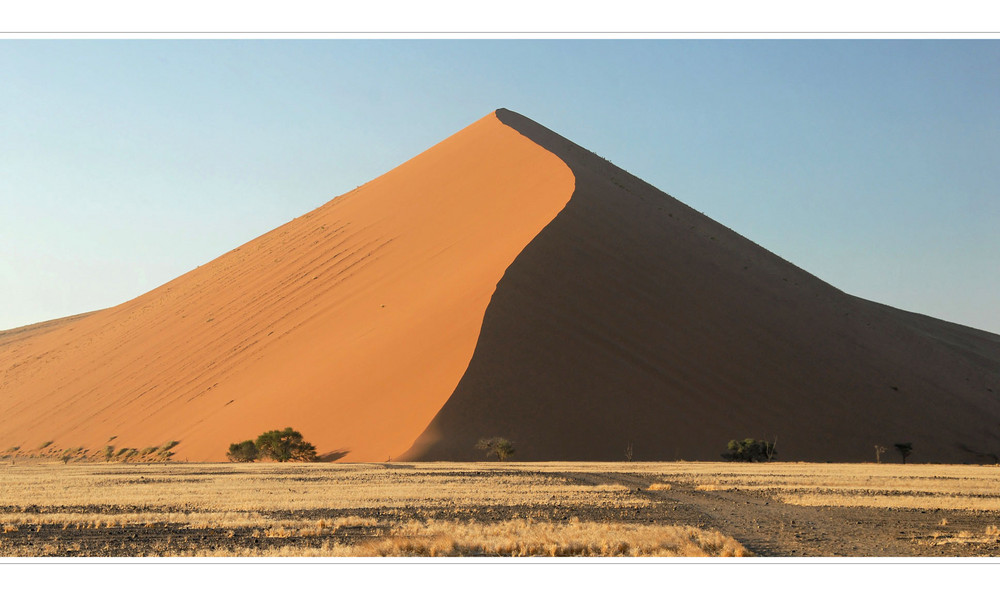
(874, 165)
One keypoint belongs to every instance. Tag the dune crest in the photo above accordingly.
(632, 319)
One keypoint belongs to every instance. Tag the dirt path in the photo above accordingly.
(771, 528)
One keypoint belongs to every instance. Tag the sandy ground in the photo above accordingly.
(164, 510)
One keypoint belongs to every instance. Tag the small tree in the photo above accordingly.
(904, 449)
(628, 451)
(750, 450)
(242, 452)
(285, 445)
(498, 446)
(879, 450)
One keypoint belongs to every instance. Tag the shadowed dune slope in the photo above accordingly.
(353, 323)
(633, 319)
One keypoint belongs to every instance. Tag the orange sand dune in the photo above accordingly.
(634, 319)
(352, 324)
(505, 282)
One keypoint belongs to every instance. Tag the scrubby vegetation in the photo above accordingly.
(750, 450)
(278, 445)
(498, 446)
(879, 450)
(50, 451)
(242, 452)
(904, 450)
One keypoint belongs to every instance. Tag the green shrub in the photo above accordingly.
(498, 446)
(242, 452)
(284, 445)
(749, 450)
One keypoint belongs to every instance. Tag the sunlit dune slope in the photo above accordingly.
(632, 319)
(352, 324)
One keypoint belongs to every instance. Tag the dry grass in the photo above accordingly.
(989, 535)
(358, 509)
(283, 503)
(517, 538)
(949, 487)
(268, 487)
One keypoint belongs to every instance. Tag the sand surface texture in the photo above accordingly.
(353, 323)
(505, 282)
(634, 319)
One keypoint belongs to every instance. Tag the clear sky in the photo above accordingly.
(874, 165)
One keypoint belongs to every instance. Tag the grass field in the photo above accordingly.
(512, 509)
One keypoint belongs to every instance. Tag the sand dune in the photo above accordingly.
(352, 324)
(504, 282)
(634, 319)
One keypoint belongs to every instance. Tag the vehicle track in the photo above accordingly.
(771, 528)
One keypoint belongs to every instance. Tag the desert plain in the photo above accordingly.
(626, 509)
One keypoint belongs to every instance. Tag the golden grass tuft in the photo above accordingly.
(659, 486)
(521, 538)
(516, 538)
(711, 487)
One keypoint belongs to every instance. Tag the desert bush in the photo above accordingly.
(879, 450)
(750, 450)
(498, 446)
(71, 452)
(44, 445)
(904, 450)
(108, 452)
(242, 452)
(11, 453)
(165, 452)
(284, 445)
